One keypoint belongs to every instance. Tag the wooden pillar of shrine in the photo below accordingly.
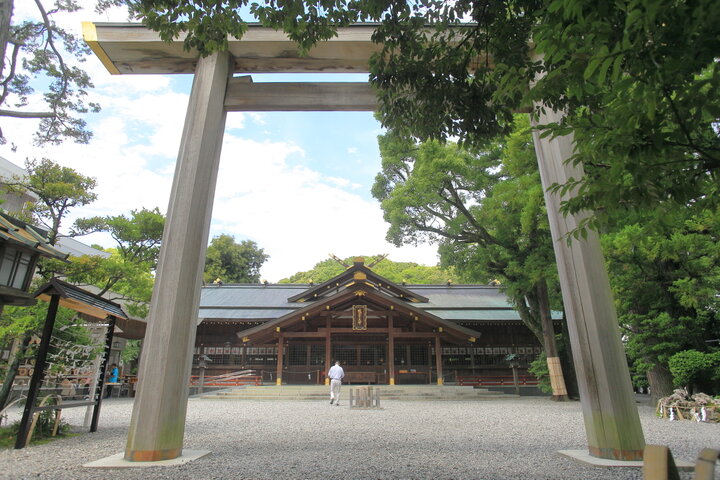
(328, 351)
(281, 341)
(438, 360)
(157, 426)
(391, 352)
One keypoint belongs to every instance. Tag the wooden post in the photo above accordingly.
(391, 352)
(98, 392)
(612, 424)
(438, 360)
(158, 419)
(328, 357)
(281, 339)
(38, 373)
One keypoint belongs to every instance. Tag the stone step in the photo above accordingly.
(387, 392)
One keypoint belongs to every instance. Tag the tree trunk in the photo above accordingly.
(568, 364)
(12, 371)
(660, 380)
(6, 9)
(557, 380)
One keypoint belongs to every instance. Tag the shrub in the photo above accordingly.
(691, 368)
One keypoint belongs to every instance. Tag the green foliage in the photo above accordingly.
(233, 262)
(484, 208)
(397, 272)
(665, 274)
(138, 236)
(638, 81)
(17, 322)
(539, 368)
(59, 189)
(131, 354)
(41, 434)
(691, 368)
(38, 52)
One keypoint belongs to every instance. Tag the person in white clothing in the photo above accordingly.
(335, 374)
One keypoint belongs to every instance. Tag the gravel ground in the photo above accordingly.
(495, 439)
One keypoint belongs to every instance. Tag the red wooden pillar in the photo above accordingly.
(391, 352)
(438, 360)
(281, 341)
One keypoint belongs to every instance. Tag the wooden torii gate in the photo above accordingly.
(158, 422)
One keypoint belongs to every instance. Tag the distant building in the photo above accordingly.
(13, 202)
(382, 332)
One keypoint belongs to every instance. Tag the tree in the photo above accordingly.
(397, 272)
(233, 262)
(665, 274)
(485, 209)
(58, 189)
(38, 51)
(638, 81)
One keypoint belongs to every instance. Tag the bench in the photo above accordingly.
(360, 377)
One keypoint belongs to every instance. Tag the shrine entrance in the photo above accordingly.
(369, 324)
(156, 431)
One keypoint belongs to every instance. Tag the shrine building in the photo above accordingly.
(382, 332)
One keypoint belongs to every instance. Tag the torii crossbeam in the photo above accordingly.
(156, 432)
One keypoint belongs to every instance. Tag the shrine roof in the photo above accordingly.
(267, 302)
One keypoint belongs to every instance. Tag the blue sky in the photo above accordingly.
(296, 183)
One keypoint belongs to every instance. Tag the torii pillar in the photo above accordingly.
(612, 423)
(157, 427)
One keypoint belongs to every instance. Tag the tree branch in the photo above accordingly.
(16, 114)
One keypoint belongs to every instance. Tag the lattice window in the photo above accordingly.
(372, 355)
(347, 354)
(419, 355)
(317, 354)
(297, 355)
(401, 355)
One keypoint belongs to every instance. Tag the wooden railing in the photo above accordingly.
(496, 381)
(233, 379)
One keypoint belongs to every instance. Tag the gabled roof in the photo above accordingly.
(23, 235)
(77, 299)
(368, 295)
(358, 273)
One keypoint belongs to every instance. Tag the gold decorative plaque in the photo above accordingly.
(359, 318)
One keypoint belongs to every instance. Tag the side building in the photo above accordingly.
(381, 331)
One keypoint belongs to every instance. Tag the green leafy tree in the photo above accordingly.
(37, 51)
(485, 209)
(18, 324)
(58, 189)
(233, 262)
(665, 274)
(397, 272)
(696, 371)
(639, 82)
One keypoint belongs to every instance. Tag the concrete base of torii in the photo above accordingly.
(118, 460)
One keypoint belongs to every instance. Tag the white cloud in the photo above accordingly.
(264, 193)
(298, 216)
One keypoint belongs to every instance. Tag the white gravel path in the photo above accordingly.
(495, 439)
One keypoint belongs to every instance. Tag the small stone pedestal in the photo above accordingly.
(365, 397)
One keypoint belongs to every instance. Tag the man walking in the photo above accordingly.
(335, 375)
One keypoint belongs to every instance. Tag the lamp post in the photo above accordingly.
(514, 364)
